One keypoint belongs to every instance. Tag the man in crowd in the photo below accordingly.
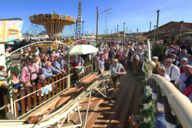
(58, 65)
(172, 70)
(49, 70)
(117, 70)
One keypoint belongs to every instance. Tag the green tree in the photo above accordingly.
(159, 50)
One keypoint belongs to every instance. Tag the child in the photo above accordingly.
(16, 83)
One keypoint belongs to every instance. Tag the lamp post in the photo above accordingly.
(97, 19)
(106, 21)
(82, 27)
(150, 26)
(157, 25)
(124, 29)
(137, 31)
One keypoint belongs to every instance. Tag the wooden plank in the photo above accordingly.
(88, 79)
(57, 101)
(56, 84)
(34, 97)
(23, 103)
(49, 94)
(48, 82)
(53, 89)
(39, 97)
(6, 102)
(60, 82)
(29, 98)
(16, 105)
(44, 97)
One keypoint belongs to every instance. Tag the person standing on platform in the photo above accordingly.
(101, 65)
(117, 70)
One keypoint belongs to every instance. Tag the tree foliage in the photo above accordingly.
(159, 51)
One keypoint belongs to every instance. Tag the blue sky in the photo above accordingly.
(135, 13)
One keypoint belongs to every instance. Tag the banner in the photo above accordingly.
(10, 29)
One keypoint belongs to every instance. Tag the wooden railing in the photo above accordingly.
(87, 70)
(179, 103)
(30, 98)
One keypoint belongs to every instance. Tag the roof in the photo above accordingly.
(173, 28)
(11, 19)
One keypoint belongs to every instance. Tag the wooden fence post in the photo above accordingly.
(53, 89)
(63, 82)
(23, 104)
(39, 97)
(16, 105)
(48, 83)
(34, 97)
(29, 98)
(6, 102)
(60, 82)
(56, 84)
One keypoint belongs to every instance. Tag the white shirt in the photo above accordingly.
(181, 82)
(167, 77)
(174, 74)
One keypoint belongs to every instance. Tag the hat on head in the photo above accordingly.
(155, 57)
(30, 58)
(184, 58)
(42, 77)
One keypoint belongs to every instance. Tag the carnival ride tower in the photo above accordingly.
(79, 19)
(53, 23)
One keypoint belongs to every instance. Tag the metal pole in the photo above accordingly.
(87, 112)
(181, 27)
(124, 29)
(157, 24)
(117, 29)
(105, 23)
(150, 26)
(97, 22)
(82, 27)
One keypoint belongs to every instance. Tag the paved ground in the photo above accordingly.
(104, 113)
(127, 103)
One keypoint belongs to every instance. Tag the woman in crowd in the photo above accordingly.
(30, 71)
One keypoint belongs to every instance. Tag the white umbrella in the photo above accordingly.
(83, 49)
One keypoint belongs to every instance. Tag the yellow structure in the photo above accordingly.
(53, 23)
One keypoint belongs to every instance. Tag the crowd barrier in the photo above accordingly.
(32, 97)
(179, 103)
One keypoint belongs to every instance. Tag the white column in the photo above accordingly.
(149, 50)
(2, 55)
(149, 56)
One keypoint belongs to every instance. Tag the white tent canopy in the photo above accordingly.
(82, 49)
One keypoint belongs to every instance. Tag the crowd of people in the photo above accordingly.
(39, 64)
(36, 66)
(176, 68)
